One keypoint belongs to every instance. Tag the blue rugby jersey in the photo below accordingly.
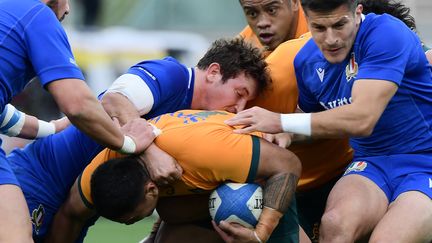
(32, 43)
(384, 49)
(171, 83)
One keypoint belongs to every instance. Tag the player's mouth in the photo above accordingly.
(266, 38)
(333, 51)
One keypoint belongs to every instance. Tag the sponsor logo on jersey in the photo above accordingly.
(71, 60)
(37, 217)
(336, 103)
(190, 118)
(357, 166)
(321, 72)
(351, 69)
(430, 183)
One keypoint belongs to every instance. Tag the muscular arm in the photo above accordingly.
(75, 99)
(281, 170)
(161, 166)
(370, 98)
(70, 219)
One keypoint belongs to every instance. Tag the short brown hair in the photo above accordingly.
(236, 56)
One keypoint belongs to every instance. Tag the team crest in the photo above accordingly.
(351, 69)
(37, 217)
(357, 166)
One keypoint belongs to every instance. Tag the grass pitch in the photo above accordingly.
(107, 231)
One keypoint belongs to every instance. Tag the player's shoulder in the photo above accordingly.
(18, 6)
(27, 12)
(165, 64)
(383, 25)
(293, 46)
(308, 54)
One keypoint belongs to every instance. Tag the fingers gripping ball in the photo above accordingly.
(236, 202)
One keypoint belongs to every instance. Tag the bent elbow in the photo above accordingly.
(74, 111)
(295, 166)
(363, 129)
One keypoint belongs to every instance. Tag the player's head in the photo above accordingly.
(272, 21)
(395, 8)
(334, 25)
(234, 72)
(60, 7)
(122, 191)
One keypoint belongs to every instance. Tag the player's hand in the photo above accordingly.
(141, 133)
(60, 124)
(281, 139)
(256, 119)
(234, 233)
(163, 169)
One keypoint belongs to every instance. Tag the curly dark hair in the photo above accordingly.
(327, 5)
(395, 8)
(117, 186)
(236, 56)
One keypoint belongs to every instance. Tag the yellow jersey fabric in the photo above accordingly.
(207, 150)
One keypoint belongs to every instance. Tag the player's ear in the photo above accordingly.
(213, 73)
(295, 5)
(151, 190)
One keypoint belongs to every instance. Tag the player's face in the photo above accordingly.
(144, 209)
(232, 95)
(334, 32)
(60, 8)
(273, 21)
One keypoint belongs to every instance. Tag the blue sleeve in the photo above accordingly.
(166, 79)
(386, 51)
(48, 48)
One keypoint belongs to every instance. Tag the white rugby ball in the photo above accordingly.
(241, 203)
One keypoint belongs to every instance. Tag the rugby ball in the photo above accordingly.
(237, 202)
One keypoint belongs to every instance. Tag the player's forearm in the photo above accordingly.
(278, 193)
(279, 190)
(344, 121)
(93, 121)
(75, 99)
(15, 123)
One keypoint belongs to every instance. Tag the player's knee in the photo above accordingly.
(334, 228)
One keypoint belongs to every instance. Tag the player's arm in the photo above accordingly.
(429, 56)
(128, 98)
(70, 219)
(75, 99)
(280, 169)
(119, 107)
(15, 123)
(369, 99)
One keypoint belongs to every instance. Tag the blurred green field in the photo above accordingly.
(110, 232)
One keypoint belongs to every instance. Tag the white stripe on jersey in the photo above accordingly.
(136, 90)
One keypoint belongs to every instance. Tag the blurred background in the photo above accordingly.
(108, 36)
